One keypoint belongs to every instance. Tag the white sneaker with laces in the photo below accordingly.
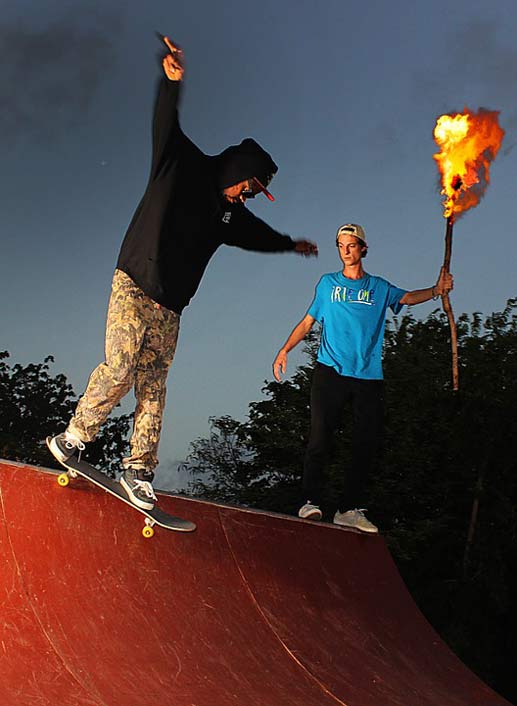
(310, 512)
(356, 520)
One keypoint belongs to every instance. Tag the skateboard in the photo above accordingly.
(75, 467)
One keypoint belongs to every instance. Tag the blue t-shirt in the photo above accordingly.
(352, 313)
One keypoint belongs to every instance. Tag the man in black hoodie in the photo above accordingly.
(193, 203)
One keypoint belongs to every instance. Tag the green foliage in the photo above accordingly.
(221, 463)
(257, 463)
(35, 404)
(445, 493)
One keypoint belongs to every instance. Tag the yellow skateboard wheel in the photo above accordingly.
(148, 532)
(63, 479)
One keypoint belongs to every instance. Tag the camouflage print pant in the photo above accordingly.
(140, 344)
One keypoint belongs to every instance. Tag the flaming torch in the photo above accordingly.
(468, 142)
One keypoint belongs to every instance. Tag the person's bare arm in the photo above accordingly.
(298, 334)
(444, 285)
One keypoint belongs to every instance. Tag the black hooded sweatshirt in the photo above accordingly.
(183, 218)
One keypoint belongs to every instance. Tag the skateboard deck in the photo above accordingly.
(156, 516)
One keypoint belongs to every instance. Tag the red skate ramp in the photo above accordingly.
(252, 609)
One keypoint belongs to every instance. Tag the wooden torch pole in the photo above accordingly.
(446, 304)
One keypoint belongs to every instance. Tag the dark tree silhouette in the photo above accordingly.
(35, 404)
(444, 492)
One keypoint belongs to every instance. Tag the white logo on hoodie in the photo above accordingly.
(227, 216)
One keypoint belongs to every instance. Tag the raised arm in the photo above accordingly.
(165, 120)
(298, 334)
(444, 285)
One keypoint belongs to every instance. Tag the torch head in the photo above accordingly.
(468, 142)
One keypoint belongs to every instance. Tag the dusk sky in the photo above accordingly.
(344, 94)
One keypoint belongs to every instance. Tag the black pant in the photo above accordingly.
(329, 394)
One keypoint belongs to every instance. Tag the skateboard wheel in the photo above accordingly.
(63, 479)
(148, 532)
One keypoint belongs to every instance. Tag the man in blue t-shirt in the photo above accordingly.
(351, 307)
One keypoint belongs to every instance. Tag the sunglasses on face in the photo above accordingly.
(254, 187)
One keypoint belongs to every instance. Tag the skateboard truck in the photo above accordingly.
(148, 530)
(64, 478)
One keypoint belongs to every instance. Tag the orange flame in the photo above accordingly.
(468, 142)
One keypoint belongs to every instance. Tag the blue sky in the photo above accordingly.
(343, 94)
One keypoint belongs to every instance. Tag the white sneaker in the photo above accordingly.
(310, 512)
(355, 519)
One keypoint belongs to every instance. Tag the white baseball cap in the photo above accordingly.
(352, 229)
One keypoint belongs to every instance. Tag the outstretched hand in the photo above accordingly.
(173, 61)
(306, 248)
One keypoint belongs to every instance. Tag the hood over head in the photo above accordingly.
(244, 161)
